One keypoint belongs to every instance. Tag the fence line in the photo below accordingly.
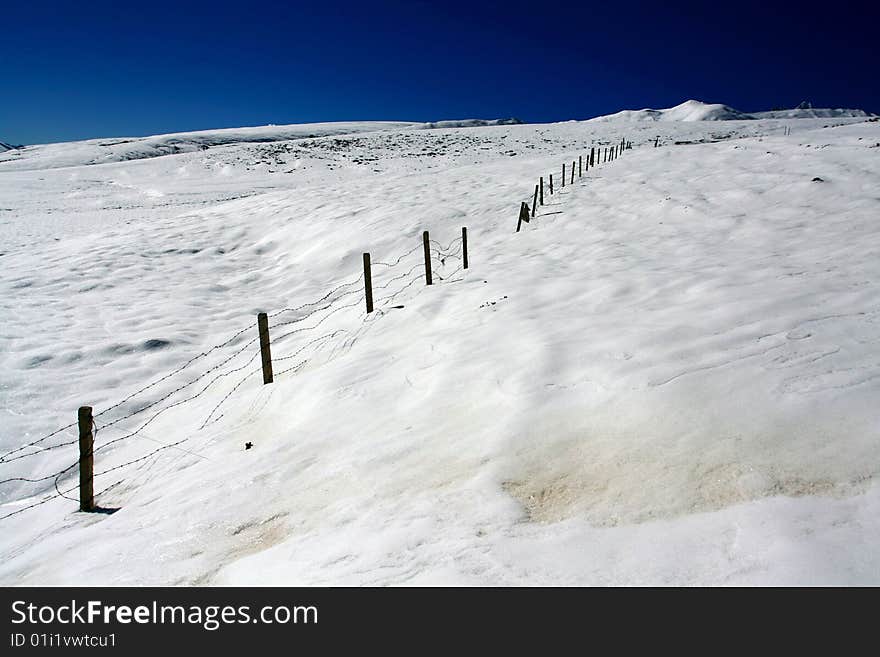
(435, 253)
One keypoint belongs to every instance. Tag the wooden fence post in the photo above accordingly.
(572, 172)
(551, 184)
(464, 246)
(580, 165)
(542, 190)
(523, 215)
(426, 242)
(86, 460)
(592, 156)
(265, 353)
(563, 174)
(368, 283)
(535, 201)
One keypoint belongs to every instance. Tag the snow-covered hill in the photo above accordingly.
(811, 113)
(690, 110)
(670, 376)
(102, 151)
(470, 123)
(694, 110)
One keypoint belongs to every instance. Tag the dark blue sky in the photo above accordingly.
(74, 70)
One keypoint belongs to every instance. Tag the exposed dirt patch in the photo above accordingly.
(602, 497)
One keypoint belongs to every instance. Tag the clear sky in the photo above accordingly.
(92, 68)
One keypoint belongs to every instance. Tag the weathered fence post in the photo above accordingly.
(572, 172)
(535, 201)
(368, 283)
(464, 246)
(265, 353)
(563, 174)
(551, 183)
(592, 156)
(580, 165)
(86, 460)
(426, 242)
(542, 190)
(523, 215)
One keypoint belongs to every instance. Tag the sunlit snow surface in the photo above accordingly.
(670, 376)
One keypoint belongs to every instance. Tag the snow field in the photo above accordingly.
(670, 376)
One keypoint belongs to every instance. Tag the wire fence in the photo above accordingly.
(206, 370)
(235, 356)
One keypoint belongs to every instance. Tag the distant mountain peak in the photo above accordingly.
(689, 110)
(696, 110)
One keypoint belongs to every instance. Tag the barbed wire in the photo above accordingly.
(398, 277)
(446, 248)
(440, 253)
(149, 405)
(309, 343)
(5, 457)
(359, 278)
(396, 262)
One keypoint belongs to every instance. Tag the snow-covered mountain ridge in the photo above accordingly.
(695, 110)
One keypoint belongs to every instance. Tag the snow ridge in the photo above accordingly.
(695, 110)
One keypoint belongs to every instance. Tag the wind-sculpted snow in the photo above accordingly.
(668, 377)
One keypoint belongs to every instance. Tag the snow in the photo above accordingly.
(690, 110)
(695, 110)
(101, 151)
(668, 377)
(471, 123)
(811, 113)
